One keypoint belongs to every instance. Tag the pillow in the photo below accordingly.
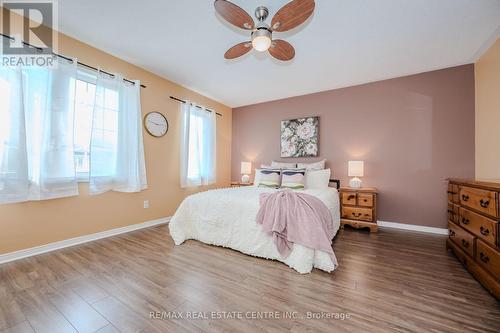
(256, 178)
(317, 179)
(312, 166)
(269, 178)
(294, 179)
(283, 165)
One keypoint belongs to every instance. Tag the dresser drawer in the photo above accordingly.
(461, 238)
(481, 200)
(453, 213)
(479, 225)
(349, 198)
(489, 258)
(357, 213)
(365, 199)
(453, 193)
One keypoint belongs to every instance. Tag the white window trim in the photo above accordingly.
(88, 76)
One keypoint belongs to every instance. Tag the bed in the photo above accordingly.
(227, 217)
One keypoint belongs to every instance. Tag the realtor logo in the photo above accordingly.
(28, 22)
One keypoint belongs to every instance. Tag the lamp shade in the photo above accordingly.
(246, 168)
(355, 169)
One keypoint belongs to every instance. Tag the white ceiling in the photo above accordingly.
(345, 42)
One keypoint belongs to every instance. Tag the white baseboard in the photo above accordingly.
(7, 257)
(430, 230)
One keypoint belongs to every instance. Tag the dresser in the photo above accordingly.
(473, 223)
(358, 207)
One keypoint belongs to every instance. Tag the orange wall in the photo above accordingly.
(32, 224)
(487, 71)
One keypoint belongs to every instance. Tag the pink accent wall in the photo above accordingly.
(412, 132)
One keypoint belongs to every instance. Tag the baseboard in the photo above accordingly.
(421, 228)
(7, 257)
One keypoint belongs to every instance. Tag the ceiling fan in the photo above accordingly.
(288, 17)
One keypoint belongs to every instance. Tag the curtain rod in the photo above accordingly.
(70, 59)
(199, 107)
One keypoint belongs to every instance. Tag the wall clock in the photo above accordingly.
(156, 124)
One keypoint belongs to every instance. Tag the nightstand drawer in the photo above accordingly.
(365, 199)
(462, 238)
(349, 198)
(357, 213)
(488, 258)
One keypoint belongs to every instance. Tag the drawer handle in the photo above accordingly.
(351, 196)
(465, 221)
(484, 231)
(465, 197)
(451, 232)
(484, 258)
(465, 243)
(357, 215)
(484, 203)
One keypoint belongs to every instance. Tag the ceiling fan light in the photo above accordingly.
(261, 43)
(261, 40)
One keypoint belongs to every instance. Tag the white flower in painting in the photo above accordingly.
(287, 148)
(294, 139)
(310, 120)
(287, 133)
(311, 149)
(306, 131)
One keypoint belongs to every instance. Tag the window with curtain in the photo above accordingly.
(61, 125)
(198, 149)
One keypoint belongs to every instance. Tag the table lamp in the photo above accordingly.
(355, 169)
(246, 170)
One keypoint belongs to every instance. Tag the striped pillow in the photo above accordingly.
(294, 179)
(270, 178)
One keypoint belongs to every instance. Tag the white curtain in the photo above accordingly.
(198, 146)
(14, 181)
(116, 148)
(36, 138)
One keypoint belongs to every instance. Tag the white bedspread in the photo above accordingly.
(226, 217)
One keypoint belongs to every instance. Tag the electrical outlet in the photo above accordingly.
(146, 203)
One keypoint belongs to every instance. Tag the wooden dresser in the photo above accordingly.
(358, 207)
(473, 223)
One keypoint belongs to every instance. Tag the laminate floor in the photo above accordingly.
(140, 282)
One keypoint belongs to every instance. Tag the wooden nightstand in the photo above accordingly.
(240, 184)
(358, 207)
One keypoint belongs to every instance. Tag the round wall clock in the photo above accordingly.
(156, 124)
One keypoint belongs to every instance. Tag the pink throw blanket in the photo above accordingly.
(294, 217)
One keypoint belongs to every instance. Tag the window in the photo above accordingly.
(103, 124)
(197, 146)
(55, 121)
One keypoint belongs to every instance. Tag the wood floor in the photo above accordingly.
(390, 281)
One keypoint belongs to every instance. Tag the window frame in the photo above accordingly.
(87, 76)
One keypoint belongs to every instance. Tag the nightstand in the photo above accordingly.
(358, 207)
(240, 184)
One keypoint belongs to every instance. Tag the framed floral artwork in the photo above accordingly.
(300, 137)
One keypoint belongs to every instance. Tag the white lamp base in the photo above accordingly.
(355, 182)
(245, 179)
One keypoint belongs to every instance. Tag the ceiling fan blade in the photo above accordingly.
(234, 14)
(292, 15)
(282, 50)
(238, 50)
